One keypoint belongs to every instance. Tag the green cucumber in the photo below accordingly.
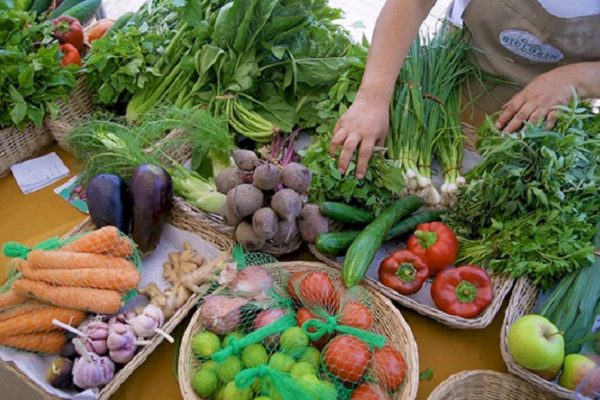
(363, 249)
(341, 212)
(121, 22)
(64, 6)
(84, 11)
(334, 243)
(40, 6)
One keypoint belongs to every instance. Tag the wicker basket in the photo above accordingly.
(17, 145)
(77, 106)
(486, 385)
(181, 218)
(387, 321)
(501, 286)
(522, 302)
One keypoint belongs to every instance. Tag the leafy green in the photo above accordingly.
(30, 70)
(426, 375)
(531, 205)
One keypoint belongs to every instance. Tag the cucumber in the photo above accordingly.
(334, 243)
(362, 250)
(121, 22)
(64, 6)
(84, 11)
(341, 212)
(40, 6)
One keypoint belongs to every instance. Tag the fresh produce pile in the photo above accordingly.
(301, 335)
(265, 202)
(64, 280)
(30, 70)
(530, 207)
(562, 339)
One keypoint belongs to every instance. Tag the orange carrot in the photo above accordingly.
(100, 301)
(70, 259)
(40, 320)
(99, 278)
(11, 298)
(106, 240)
(47, 342)
(27, 307)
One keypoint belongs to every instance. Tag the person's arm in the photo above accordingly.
(365, 124)
(535, 102)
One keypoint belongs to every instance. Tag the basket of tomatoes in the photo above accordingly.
(293, 331)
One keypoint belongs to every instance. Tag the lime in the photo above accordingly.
(293, 340)
(220, 394)
(328, 390)
(262, 398)
(312, 356)
(281, 362)
(205, 383)
(302, 368)
(229, 368)
(209, 365)
(205, 343)
(309, 383)
(231, 392)
(237, 335)
(254, 355)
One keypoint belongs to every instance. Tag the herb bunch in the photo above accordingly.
(531, 205)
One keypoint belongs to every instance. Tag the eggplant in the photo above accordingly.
(108, 202)
(151, 200)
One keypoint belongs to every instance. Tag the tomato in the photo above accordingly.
(347, 357)
(389, 367)
(434, 243)
(293, 284)
(302, 315)
(317, 290)
(356, 315)
(369, 392)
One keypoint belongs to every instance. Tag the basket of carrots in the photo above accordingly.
(78, 301)
(409, 256)
(291, 330)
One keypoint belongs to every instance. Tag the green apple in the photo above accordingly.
(576, 369)
(536, 344)
(205, 343)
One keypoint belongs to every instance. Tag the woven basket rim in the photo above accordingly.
(410, 352)
(503, 285)
(521, 303)
(501, 384)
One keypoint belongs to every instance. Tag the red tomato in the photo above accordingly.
(293, 284)
(302, 315)
(317, 290)
(369, 392)
(347, 357)
(356, 315)
(389, 367)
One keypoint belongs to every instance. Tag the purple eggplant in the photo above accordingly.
(151, 200)
(108, 202)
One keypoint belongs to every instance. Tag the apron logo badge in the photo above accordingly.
(529, 46)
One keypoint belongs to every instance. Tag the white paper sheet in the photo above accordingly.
(37, 173)
(36, 367)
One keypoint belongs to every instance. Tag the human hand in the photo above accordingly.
(365, 124)
(535, 102)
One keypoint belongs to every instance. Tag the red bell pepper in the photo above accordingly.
(463, 291)
(436, 244)
(403, 271)
(68, 30)
(70, 55)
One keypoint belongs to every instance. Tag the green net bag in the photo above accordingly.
(62, 280)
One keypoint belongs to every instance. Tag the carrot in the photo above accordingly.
(47, 342)
(98, 278)
(40, 320)
(10, 298)
(69, 259)
(106, 240)
(100, 301)
(25, 308)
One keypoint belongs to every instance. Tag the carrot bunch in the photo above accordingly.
(89, 274)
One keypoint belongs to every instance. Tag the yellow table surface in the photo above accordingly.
(37, 216)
